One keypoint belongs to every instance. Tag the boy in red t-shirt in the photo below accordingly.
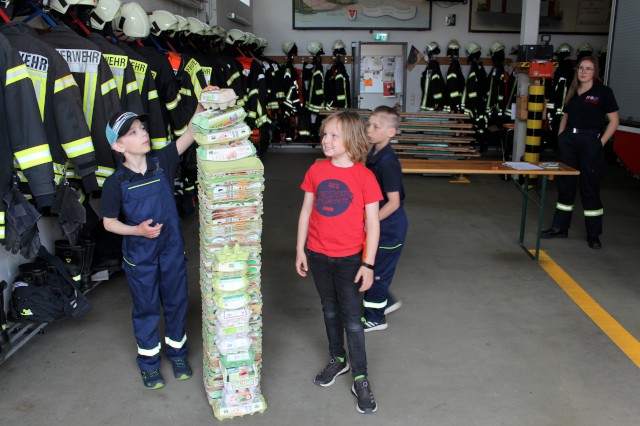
(331, 231)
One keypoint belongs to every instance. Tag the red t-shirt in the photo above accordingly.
(336, 225)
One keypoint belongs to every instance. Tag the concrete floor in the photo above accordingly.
(485, 336)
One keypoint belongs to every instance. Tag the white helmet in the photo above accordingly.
(432, 48)
(262, 42)
(287, 45)
(338, 44)
(195, 26)
(132, 22)
(234, 36)
(104, 12)
(603, 50)
(473, 47)
(453, 45)
(183, 24)
(207, 29)
(564, 48)
(63, 5)
(315, 48)
(496, 47)
(162, 21)
(218, 31)
(249, 38)
(584, 47)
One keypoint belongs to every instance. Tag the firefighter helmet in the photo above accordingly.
(183, 24)
(338, 44)
(514, 49)
(584, 47)
(195, 26)
(207, 29)
(496, 47)
(315, 48)
(104, 12)
(564, 48)
(432, 48)
(249, 39)
(234, 36)
(603, 50)
(453, 45)
(162, 21)
(473, 47)
(262, 42)
(131, 22)
(287, 45)
(218, 31)
(63, 5)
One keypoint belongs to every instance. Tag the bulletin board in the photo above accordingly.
(380, 74)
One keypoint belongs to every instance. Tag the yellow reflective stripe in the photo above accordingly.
(185, 92)
(593, 213)
(179, 132)
(564, 207)
(78, 147)
(174, 344)
(64, 83)
(232, 78)
(90, 84)
(159, 143)
(153, 94)
(17, 73)
(132, 86)
(149, 352)
(1, 232)
(108, 86)
(2, 218)
(104, 171)
(32, 157)
(144, 184)
(174, 103)
(390, 247)
(374, 305)
(128, 263)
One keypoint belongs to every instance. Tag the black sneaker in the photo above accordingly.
(393, 305)
(152, 379)
(366, 402)
(334, 369)
(373, 325)
(181, 369)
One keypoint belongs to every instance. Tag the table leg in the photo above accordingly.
(525, 204)
(543, 192)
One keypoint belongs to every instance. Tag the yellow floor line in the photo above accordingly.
(621, 337)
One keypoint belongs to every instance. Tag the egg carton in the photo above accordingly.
(210, 120)
(235, 132)
(218, 99)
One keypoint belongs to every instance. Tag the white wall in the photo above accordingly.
(272, 19)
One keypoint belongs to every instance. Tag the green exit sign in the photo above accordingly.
(380, 36)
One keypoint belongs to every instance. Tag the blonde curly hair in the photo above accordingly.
(353, 132)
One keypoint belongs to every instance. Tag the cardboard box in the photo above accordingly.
(521, 107)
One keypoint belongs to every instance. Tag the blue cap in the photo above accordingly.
(120, 124)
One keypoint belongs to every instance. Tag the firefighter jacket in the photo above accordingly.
(290, 88)
(473, 101)
(191, 80)
(123, 74)
(256, 105)
(501, 93)
(455, 86)
(60, 105)
(151, 103)
(21, 132)
(98, 88)
(313, 81)
(234, 75)
(433, 88)
(275, 94)
(337, 86)
(166, 84)
(562, 79)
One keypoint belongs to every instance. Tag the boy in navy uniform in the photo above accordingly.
(382, 160)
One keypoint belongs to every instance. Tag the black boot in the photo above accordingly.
(33, 273)
(85, 279)
(4, 336)
(72, 256)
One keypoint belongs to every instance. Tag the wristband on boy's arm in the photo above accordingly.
(368, 265)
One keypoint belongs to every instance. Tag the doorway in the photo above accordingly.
(381, 75)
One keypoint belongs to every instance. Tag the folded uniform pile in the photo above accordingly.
(231, 184)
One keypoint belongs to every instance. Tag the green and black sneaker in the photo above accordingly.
(152, 379)
(181, 369)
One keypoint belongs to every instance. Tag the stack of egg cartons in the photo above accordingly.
(231, 183)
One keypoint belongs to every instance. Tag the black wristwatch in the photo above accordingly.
(367, 265)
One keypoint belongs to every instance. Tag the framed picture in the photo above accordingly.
(556, 16)
(361, 14)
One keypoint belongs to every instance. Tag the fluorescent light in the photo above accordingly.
(232, 16)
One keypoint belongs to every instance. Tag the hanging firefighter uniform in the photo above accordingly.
(455, 86)
(433, 87)
(99, 93)
(60, 106)
(291, 99)
(150, 99)
(21, 132)
(473, 101)
(191, 80)
(337, 86)
(123, 74)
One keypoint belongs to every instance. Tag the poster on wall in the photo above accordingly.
(378, 75)
(361, 14)
(556, 16)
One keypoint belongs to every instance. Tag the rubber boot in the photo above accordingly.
(4, 336)
(34, 273)
(85, 278)
(72, 256)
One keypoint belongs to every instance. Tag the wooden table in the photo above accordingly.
(473, 167)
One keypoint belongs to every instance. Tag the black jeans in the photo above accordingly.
(341, 305)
